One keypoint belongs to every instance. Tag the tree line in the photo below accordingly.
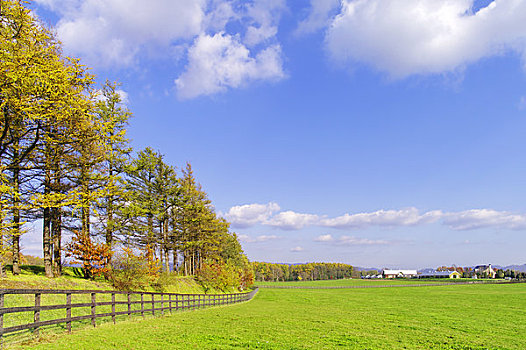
(65, 160)
(297, 272)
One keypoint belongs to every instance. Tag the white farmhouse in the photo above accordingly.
(399, 273)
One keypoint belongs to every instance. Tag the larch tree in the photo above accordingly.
(113, 117)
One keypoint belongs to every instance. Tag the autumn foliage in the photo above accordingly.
(94, 257)
(65, 160)
(217, 275)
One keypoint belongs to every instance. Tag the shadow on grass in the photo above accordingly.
(30, 269)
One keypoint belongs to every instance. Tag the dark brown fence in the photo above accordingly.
(149, 303)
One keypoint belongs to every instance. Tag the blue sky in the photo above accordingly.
(386, 133)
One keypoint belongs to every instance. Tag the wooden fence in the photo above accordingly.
(150, 302)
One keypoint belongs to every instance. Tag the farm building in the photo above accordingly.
(440, 274)
(399, 273)
(485, 269)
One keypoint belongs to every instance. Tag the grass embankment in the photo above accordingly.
(446, 317)
(33, 277)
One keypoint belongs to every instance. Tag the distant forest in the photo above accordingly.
(301, 272)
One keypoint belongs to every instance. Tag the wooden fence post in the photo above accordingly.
(93, 305)
(36, 316)
(113, 307)
(170, 301)
(153, 304)
(68, 311)
(2, 322)
(177, 302)
(162, 304)
(129, 305)
(142, 304)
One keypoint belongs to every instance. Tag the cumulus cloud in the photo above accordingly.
(221, 61)
(113, 32)
(250, 214)
(289, 220)
(264, 17)
(270, 215)
(406, 37)
(296, 249)
(351, 240)
(124, 96)
(324, 238)
(320, 13)
(403, 217)
(258, 239)
(484, 218)
(117, 33)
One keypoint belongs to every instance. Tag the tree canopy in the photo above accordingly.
(65, 160)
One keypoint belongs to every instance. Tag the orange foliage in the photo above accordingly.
(154, 265)
(94, 257)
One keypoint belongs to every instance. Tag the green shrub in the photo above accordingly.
(130, 272)
(219, 276)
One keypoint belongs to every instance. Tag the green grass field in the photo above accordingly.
(439, 317)
(362, 282)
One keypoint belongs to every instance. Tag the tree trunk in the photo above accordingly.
(109, 213)
(46, 242)
(161, 246)
(16, 215)
(150, 228)
(2, 247)
(56, 231)
(85, 213)
(166, 250)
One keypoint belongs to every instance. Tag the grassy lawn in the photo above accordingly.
(445, 317)
(363, 282)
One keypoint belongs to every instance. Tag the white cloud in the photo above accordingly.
(324, 238)
(265, 16)
(250, 214)
(221, 61)
(123, 33)
(258, 239)
(319, 16)
(113, 32)
(296, 249)
(289, 220)
(219, 14)
(125, 99)
(484, 218)
(522, 103)
(406, 37)
(350, 240)
(403, 217)
(270, 215)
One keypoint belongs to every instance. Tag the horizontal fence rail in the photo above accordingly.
(392, 285)
(155, 303)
